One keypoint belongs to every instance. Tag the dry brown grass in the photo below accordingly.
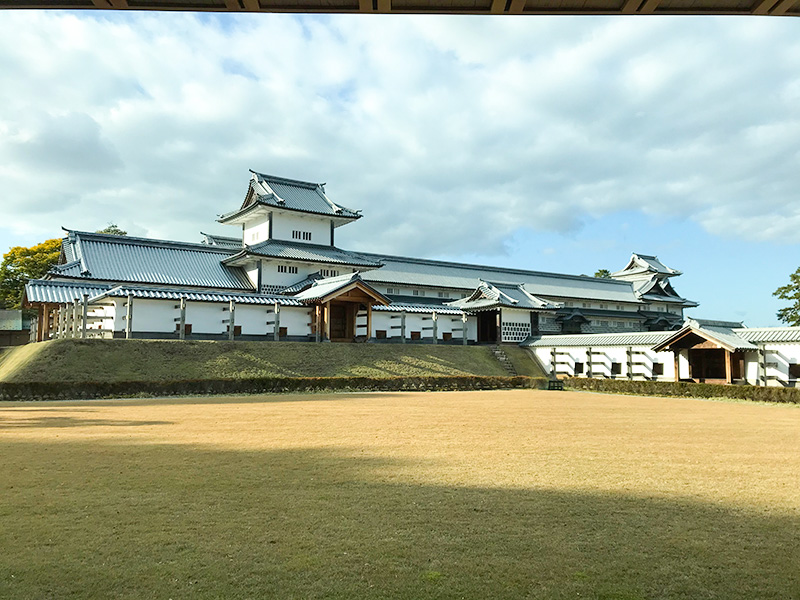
(504, 494)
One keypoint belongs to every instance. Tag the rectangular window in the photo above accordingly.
(586, 305)
(286, 269)
(567, 303)
(329, 273)
(658, 368)
(380, 334)
(301, 235)
(616, 368)
(391, 291)
(419, 292)
(603, 323)
(604, 306)
(446, 337)
(444, 295)
(794, 371)
(578, 368)
(620, 307)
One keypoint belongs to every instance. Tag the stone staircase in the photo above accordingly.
(503, 359)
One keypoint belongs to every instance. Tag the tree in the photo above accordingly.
(112, 229)
(603, 274)
(791, 292)
(21, 264)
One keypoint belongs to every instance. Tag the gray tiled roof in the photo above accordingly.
(222, 241)
(317, 253)
(760, 335)
(290, 194)
(638, 338)
(61, 292)
(324, 287)
(644, 263)
(489, 295)
(197, 296)
(140, 260)
(417, 308)
(432, 273)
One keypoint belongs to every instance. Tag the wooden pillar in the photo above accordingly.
(318, 321)
(553, 362)
(463, 329)
(277, 311)
(499, 325)
(231, 320)
(84, 315)
(630, 362)
(403, 326)
(129, 317)
(434, 327)
(327, 320)
(677, 355)
(761, 370)
(182, 331)
(69, 310)
(589, 359)
(728, 367)
(369, 321)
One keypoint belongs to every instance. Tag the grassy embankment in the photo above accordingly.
(512, 494)
(143, 360)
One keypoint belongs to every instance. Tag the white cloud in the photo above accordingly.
(447, 132)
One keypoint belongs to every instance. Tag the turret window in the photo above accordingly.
(329, 273)
(301, 235)
(286, 269)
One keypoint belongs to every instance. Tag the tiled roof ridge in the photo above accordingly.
(133, 240)
(509, 270)
(285, 180)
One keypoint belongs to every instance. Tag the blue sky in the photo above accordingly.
(556, 144)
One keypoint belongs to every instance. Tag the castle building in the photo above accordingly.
(282, 277)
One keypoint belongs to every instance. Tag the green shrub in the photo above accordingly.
(686, 389)
(263, 385)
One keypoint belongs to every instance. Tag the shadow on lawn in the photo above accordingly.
(142, 521)
(62, 421)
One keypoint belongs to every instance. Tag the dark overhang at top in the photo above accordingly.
(484, 7)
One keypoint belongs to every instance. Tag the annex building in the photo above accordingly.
(281, 276)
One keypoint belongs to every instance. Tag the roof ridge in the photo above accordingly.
(128, 239)
(498, 269)
(266, 176)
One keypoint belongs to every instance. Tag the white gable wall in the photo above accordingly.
(283, 224)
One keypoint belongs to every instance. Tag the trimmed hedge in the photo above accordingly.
(686, 389)
(265, 385)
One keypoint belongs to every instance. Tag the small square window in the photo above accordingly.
(578, 368)
(658, 368)
(794, 371)
(616, 368)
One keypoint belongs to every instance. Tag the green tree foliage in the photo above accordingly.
(112, 229)
(790, 292)
(21, 264)
(603, 274)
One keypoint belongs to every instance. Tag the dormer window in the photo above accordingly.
(301, 235)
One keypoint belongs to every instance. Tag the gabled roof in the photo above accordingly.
(644, 263)
(491, 295)
(325, 289)
(288, 194)
(286, 250)
(117, 258)
(716, 332)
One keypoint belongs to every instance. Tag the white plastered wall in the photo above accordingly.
(416, 321)
(283, 224)
(515, 324)
(603, 357)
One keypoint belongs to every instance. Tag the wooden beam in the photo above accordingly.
(649, 7)
(327, 320)
(517, 7)
(84, 315)
(783, 7)
(762, 8)
(123, 4)
(498, 6)
(384, 6)
(182, 332)
(255, 6)
(277, 332)
(631, 6)
(369, 321)
(677, 355)
(233, 5)
(129, 318)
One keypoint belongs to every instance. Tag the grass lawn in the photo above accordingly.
(159, 360)
(505, 494)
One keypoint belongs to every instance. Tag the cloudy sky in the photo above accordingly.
(555, 144)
